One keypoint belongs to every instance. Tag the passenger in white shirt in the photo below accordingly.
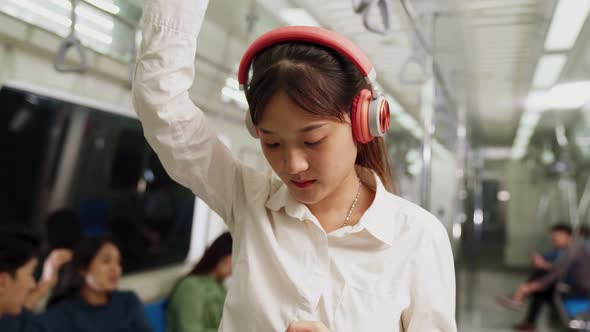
(322, 244)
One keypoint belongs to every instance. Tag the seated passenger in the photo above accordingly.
(86, 298)
(197, 301)
(62, 231)
(18, 290)
(561, 235)
(573, 268)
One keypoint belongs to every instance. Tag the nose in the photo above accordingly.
(295, 161)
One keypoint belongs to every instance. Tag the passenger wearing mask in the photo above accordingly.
(18, 290)
(197, 301)
(86, 299)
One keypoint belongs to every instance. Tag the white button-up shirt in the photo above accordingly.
(392, 271)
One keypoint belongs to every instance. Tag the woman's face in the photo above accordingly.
(224, 267)
(313, 155)
(104, 270)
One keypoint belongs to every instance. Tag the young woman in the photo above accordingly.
(197, 301)
(325, 246)
(86, 298)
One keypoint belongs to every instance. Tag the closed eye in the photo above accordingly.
(312, 144)
(271, 145)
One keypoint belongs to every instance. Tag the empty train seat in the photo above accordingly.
(155, 313)
(575, 307)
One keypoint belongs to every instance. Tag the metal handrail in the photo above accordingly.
(358, 6)
(73, 41)
(429, 49)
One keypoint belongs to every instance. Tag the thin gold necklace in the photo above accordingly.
(356, 197)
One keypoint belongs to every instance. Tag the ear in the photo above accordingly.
(5, 281)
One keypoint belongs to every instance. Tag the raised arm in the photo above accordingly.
(53, 263)
(176, 129)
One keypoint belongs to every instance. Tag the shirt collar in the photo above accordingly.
(281, 198)
(379, 219)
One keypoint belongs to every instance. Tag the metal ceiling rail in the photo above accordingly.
(422, 40)
(133, 26)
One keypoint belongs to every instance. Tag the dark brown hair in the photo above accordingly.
(18, 245)
(220, 248)
(71, 280)
(320, 81)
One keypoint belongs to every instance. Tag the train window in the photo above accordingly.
(97, 30)
(26, 123)
(64, 163)
(121, 188)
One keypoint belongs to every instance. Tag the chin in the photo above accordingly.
(16, 310)
(109, 288)
(308, 198)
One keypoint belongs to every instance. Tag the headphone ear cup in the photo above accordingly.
(379, 117)
(359, 116)
(250, 125)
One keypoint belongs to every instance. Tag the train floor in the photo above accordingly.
(482, 276)
(478, 310)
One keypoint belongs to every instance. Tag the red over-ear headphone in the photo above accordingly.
(370, 111)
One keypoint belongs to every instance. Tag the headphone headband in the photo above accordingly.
(307, 34)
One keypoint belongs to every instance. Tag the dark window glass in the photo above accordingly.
(114, 183)
(26, 124)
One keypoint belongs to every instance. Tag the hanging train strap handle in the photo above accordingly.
(376, 17)
(71, 41)
(376, 14)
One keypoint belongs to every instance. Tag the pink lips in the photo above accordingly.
(304, 184)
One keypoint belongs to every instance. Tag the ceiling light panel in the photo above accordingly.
(568, 20)
(548, 70)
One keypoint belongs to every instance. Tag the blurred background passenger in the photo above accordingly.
(86, 298)
(571, 271)
(197, 301)
(18, 289)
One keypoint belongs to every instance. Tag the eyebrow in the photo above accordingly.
(302, 130)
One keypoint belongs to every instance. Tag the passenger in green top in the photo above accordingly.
(197, 301)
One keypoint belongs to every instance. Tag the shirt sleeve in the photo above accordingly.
(561, 266)
(432, 302)
(176, 128)
(188, 305)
